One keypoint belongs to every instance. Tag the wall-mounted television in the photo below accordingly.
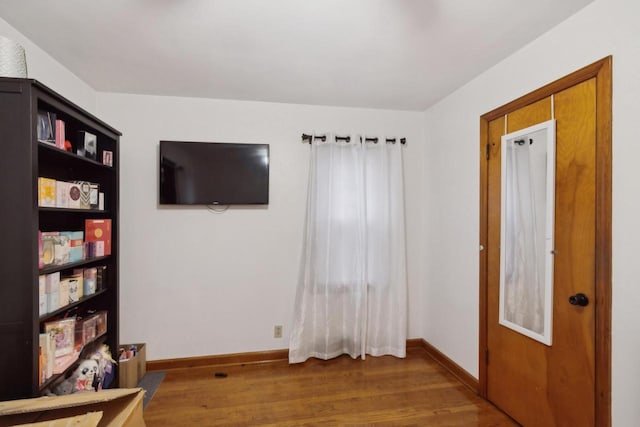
(213, 173)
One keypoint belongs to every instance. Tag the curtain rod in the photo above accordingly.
(309, 138)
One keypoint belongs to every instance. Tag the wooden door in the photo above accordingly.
(536, 384)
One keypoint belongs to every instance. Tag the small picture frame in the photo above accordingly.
(46, 127)
(87, 145)
(107, 158)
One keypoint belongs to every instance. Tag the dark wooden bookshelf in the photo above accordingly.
(23, 160)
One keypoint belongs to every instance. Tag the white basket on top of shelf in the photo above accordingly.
(13, 61)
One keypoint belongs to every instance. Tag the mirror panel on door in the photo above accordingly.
(527, 225)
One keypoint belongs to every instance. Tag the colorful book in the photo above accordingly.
(50, 354)
(101, 323)
(60, 137)
(46, 192)
(62, 363)
(61, 250)
(64, 292)
(64, 335)
(52, 282)
(78, 274)
(48, 246)
(89, 282)
(47, 356)
(76, 251)
(62, 194)
(75, 194)
(52, 291)
(94, 191)
(42, 295)
(74, 295)
(99, 231)
(101, 277)
(85, 194)
(53, 301)
(40, 260)
(42, 360)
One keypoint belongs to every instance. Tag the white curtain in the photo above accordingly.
(351, 296)
(524, 255)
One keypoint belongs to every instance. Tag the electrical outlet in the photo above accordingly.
(277, 331)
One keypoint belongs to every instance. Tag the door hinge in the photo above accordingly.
(487, 149)
(486, 356)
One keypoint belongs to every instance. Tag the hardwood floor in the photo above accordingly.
(379, 391)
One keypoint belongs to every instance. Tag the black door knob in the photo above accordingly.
(579, 299)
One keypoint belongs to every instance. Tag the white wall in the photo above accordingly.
(197, 283)
(606, 27)
(41, 66)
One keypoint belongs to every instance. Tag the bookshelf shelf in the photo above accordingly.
(24, 159)
(71, 306)
(68, 266)
(76, 211)
(55, 151)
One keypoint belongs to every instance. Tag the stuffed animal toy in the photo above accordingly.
(65, 387)
(82, 379)
(92, 374)
(85, 374)
(105, 367)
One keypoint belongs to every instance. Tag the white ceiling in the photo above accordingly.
(395, 54)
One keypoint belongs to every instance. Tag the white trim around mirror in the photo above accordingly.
(526, 246)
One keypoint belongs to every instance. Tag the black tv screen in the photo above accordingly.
(210, 173)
